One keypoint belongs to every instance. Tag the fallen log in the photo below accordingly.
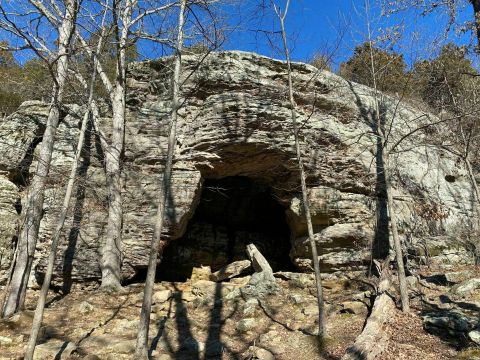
(259, 263)
(373, 340)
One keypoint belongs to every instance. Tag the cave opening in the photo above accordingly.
(232, 212)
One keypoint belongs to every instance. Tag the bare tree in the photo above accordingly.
(58, 62)
(306, 204)
(381, 131)
(141, 350)
(126, 16)
(451, 8)
(37, 320)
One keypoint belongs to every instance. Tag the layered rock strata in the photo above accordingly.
(235, 121)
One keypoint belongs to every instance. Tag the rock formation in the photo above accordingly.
(235, 123)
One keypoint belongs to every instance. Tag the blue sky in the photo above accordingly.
(320, 25)
(333, 27)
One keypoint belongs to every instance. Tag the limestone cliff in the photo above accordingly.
(235, 122)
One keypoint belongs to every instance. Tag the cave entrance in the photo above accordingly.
(232, 212)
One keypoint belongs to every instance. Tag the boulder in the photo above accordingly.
(231, 270)
(467, 287)
(458, 276)
(475, 336)
(161, 296)
(245, 325)
(54, 349)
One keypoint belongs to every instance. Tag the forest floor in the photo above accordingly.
(205, 320)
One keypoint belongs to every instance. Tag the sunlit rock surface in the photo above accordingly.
(235, 122)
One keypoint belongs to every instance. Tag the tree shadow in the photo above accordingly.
(381, 241)
(78, 211)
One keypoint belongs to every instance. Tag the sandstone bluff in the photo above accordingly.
(235, 135)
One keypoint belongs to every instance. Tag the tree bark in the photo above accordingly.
(141, 351)
(111, 251)
(396, 241)
(384, 157)
(306, 203)
(111, 261)
(39, 311)
(373, 340)
(34, 204)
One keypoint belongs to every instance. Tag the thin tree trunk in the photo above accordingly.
(380, 132)
(141, 350)
(306, 203)
(396, 240)
(34, 205)
(111, 251)
(37, 319)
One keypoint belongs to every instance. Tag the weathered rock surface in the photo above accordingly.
(234, 269)
(467, 287)
(236, 122)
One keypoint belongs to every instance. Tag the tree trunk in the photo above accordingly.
(34, 204)
(37, 319)
(373, 340)
(396, 240)
(384, 158)
(141, 351)
(306, 203)
(112, 251)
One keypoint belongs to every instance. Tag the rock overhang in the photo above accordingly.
(235, 122)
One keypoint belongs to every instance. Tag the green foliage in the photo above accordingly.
(444, 81)
(387, 68)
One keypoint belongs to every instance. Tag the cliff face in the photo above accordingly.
(235, 124)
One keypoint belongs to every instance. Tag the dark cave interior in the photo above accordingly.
(232, 212)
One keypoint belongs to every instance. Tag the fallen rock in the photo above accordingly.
(475, 336)
(201, 273)
(231, 270)
(54, 349)
(161, 296)
(250, 307)
(458, 276)
(259, 263)
(300, 280)
(85, 307)
(412, 281)
(260, 354)
(467, 287)
(451, 322)
(245, 325)
(354, 307)
(296, 298)
(5, 341)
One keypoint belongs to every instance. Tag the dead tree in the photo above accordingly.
(58, 62)
(306, 205)
(141, 350)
